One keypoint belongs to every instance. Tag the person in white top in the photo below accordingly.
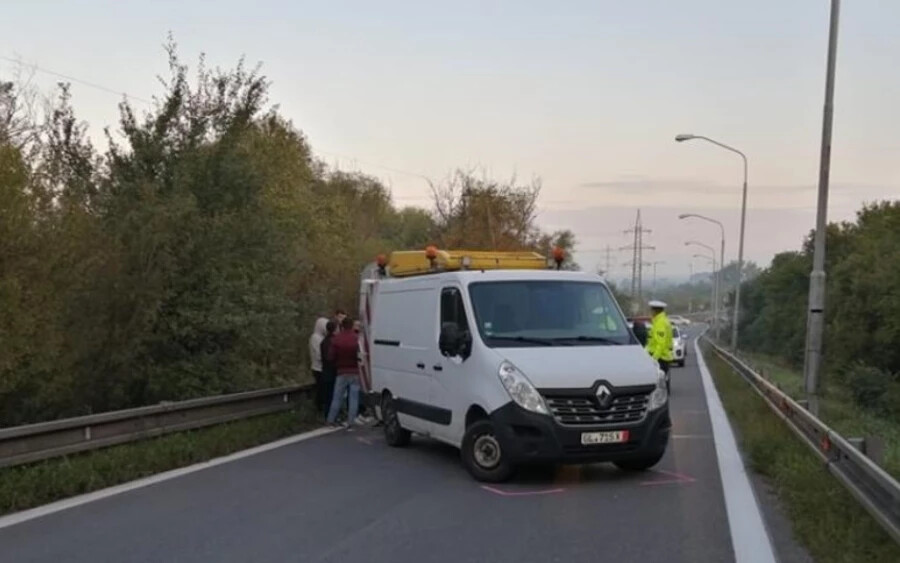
(315, 360)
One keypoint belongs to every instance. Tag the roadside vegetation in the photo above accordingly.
(862, 359)
(31, 485)
(849, 418)
(192, 255)
(826, 519)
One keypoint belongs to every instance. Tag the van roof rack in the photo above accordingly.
(407, 263)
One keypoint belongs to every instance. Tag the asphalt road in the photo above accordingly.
(347, 497)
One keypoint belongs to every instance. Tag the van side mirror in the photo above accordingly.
(454, 342)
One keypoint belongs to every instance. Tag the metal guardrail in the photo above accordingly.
(34, 442)
(872, 486)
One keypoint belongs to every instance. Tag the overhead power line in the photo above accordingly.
(75, 79)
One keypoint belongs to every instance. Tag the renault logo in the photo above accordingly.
(604, 395)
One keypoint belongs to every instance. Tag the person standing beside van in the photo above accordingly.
(659, 343)
(344, 353)
(328, 372)
(315, 359)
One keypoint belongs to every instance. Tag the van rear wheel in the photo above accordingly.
(482, 454)
(395, 435)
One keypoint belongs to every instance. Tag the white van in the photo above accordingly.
(512, 367)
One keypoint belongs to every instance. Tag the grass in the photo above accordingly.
(826, 518)
(31, 485)
(838, 411)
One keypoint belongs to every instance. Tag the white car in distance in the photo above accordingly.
(679, 346)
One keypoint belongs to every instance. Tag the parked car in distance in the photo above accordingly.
(678, 320)
(679, 347)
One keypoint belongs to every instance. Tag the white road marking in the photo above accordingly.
(749, 536)
(40, 511)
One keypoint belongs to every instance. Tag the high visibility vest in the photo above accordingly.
(659, 341)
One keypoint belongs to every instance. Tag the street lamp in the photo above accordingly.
(719, 280)
(713, 289)
(815, 323)
(715, 283)
(740, 266)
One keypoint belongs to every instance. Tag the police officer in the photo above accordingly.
(659, 343)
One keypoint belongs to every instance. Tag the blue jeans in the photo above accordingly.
(342, 385)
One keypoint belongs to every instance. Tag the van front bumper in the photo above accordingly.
(528, 437)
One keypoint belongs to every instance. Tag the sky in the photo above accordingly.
(585, 96)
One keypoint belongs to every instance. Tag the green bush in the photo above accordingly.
(891, 401)
(868, 386)
(862, 313)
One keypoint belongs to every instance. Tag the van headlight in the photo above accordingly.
(521, 390)
(660, 395)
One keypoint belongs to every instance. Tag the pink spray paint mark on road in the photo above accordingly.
(673, 478)
(521, 493)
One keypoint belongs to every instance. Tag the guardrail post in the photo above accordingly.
(803, 403)
(874, 449)
(872, 446)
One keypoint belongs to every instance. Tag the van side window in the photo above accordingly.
(452, 309)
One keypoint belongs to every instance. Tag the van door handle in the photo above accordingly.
(438, 367)
(420, 365)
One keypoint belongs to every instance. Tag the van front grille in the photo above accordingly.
(585, 410)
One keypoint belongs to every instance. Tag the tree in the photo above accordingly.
(483, 214)
(193, 256)
(862, 307)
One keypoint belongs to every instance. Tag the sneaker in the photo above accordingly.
(361, 421)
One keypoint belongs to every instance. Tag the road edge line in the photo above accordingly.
(71, 502)
(750, 538)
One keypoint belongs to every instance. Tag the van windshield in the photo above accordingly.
(547, 313)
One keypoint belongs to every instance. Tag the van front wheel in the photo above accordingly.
(482, 454)
(395, 435)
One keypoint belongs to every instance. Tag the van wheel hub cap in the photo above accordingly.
(487, 451)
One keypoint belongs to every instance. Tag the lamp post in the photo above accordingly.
(712, 258)
(740, 266)
(715, 281)
(815, 324)
(719, 280)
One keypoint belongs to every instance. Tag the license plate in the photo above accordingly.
(614, 437)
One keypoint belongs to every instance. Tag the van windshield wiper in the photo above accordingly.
(528, 340)
(586, 338)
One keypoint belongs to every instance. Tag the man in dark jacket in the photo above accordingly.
(344, 353)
